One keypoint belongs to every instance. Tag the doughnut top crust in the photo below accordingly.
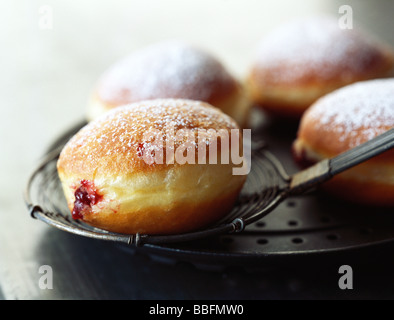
(169, 69)
(112, 145)
(349, 117)
(317, 50)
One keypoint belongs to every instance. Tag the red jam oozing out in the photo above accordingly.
(140, 150)
(85, 197)
(302, 160)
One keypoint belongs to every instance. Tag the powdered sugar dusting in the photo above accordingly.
(117, 138)
(315, 46)
(360, 111)
(169, 69)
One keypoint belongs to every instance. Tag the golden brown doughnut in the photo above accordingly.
(109, 184)
(343, 120)
(306, 59)
(169, 69)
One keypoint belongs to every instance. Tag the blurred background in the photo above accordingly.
(47, 74)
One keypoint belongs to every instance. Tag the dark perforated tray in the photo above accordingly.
(311, 225)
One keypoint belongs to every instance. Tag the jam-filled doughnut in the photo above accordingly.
(170, 69)
(305, 59)
(113, 180)
(345, 119)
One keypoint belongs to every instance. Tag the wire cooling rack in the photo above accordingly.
(307, 225)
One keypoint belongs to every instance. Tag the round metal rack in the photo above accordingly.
(309, 225)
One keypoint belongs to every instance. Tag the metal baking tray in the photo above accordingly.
(306, 226)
